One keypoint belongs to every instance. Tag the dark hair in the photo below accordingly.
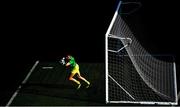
(68, 57)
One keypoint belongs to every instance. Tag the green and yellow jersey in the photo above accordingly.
(72, 62)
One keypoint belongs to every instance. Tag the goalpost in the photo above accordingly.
(132, 74)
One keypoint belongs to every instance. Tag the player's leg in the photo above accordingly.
(80, 77)
(72, 79)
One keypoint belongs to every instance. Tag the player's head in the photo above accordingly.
(68, 57)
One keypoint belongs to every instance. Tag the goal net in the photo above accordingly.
(132, 74)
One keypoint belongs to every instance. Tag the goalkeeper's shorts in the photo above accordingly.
(75, 69)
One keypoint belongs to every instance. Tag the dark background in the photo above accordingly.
(33, 31)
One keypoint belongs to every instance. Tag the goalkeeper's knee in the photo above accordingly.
(71, 78)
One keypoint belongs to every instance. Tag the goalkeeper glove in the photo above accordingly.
(63, 61)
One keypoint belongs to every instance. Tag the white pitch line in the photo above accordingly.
(23, 82)
(173, 104)
(47, 67)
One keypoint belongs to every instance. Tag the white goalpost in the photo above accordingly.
(132, 74)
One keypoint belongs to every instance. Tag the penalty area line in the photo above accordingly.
(23, 82)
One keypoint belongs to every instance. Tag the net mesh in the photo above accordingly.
(144, 77)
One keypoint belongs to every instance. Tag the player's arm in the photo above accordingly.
(67, 64)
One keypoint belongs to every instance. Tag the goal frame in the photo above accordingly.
(107, 74)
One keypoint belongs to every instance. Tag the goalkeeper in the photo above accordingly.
(69, 61)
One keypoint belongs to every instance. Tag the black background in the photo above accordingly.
(43, 30)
